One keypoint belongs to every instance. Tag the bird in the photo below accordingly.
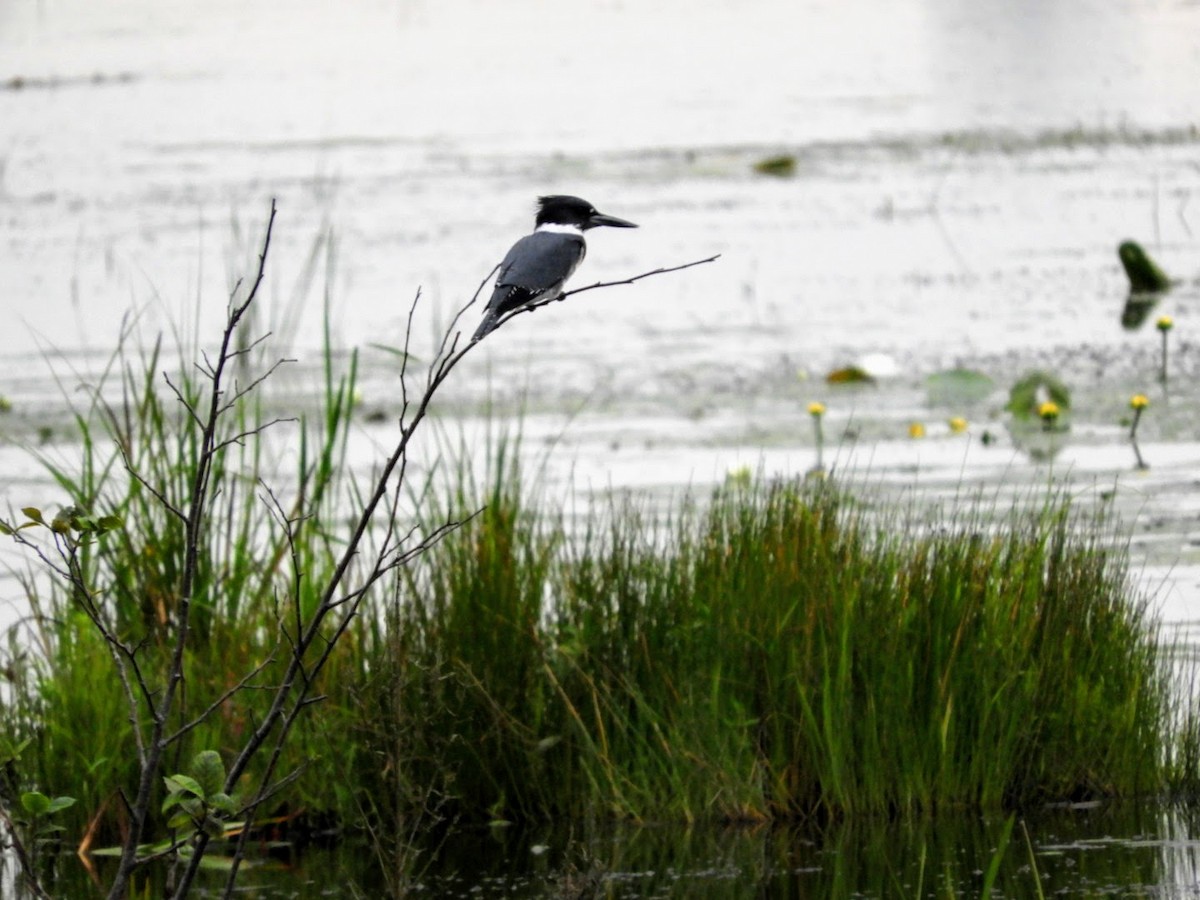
(539, 264)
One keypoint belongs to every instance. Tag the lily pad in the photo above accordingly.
(850, 375)
(1035, 388)
(958, 387)
(1145, 277)
(781, 166)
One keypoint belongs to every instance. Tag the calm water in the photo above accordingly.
(1076, 852)
(964, 174)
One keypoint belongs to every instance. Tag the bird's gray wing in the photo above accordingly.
(535, 268)
(540, 262)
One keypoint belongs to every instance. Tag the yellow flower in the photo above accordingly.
(816, 408)
(1048, 410)
(957, 425)
(1139, 401)
(916, 430)
(1164, 323)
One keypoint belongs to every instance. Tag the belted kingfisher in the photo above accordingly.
(539, 264)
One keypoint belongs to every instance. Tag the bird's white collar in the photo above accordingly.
(557, 228)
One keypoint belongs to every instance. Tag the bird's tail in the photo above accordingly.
(490, 319)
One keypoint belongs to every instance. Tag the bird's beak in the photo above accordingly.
(598, 219)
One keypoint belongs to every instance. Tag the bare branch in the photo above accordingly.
(530, 307)
(452, 330)
(157, 494)
(240, 392)
(242, 351)
(183, 401)
(249, 432)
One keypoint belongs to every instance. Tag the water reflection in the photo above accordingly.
(1137, 309)
(1068, 852)
(1078, 851)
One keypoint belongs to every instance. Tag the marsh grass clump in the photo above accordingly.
(781, 653)
(1145, 276)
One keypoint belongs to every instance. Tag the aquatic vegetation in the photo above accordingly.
(1164, 326)
(1048, 412)
(850, 375)
(778, 651)
(1029, 396)
(782, 166)
(958, 387)
(781, 652)
(1138, 403)
(816, 409)
(1145, 276)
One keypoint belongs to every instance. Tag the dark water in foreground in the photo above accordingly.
(1084, 851)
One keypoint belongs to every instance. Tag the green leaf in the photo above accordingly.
(181, 821)
(15, 752)
(213, 827)
(958, 387)
(209, 772)
(35, 802)
(397, 352)
(222, 801)
(7, 529)
(192, 806)
(33, 513)
(993, 869)
(183, 784)
(60, 803)
(1144, 274)
(110, 523)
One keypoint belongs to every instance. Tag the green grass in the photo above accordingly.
(66, 694)
(778, 654)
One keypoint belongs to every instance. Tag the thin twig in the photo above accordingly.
(250, 432)
(537, 304)
(216, 704)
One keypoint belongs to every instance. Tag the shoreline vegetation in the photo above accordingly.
(779, 651)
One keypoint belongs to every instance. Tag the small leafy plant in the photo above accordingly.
(197, 801)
